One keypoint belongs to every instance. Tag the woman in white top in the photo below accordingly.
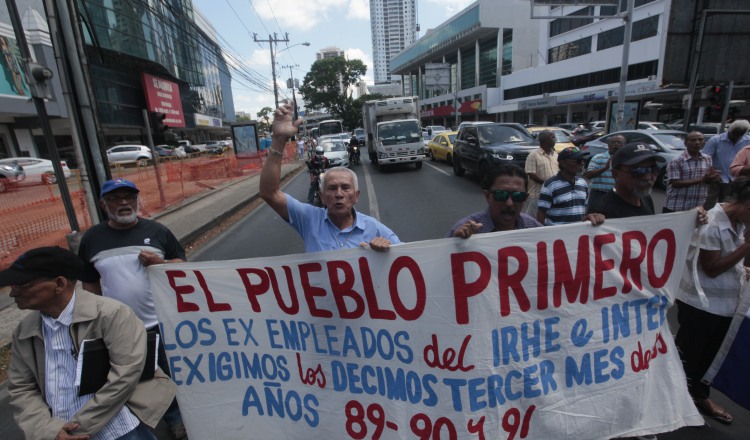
(722, 251)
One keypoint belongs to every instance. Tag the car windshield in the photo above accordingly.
(561, 136)
(673, 141)
(329, 147)
(493, 134)
(658, 126)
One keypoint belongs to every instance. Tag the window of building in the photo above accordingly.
(562, 25)
(642, 29)
(507, 66)
(488, 63)
(592, 79)
(467, 68)
(569, 50)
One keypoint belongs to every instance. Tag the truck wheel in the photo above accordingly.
(457, 169)
(418, 165)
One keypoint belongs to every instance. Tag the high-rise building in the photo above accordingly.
(329, 52)
(394, 27)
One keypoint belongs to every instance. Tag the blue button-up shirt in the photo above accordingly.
(722, 152)
(320, 234)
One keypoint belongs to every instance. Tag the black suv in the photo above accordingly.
(479, 148)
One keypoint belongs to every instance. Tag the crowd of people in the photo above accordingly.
(113, 302)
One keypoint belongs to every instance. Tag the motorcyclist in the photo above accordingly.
(350, 148)
(318, 164)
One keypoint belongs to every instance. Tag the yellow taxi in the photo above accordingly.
(441, 146)
(562, 136)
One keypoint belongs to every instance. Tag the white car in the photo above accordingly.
(38, 169)
(140, 154)
(335, 151)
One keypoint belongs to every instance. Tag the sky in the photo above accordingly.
(323, 23)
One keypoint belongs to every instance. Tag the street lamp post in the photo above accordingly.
(272, 40)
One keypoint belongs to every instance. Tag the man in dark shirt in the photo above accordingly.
(505, 191)
(634, 168)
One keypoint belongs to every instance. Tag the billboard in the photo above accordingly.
(13, 81)
(724, 31)
(164, 97)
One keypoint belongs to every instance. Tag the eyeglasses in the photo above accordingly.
(120, 197)
(642, 171)
(502, 195)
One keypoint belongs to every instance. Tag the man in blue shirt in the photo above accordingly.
(722, 149)
(338, 225)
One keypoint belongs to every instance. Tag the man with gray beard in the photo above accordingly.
(634, 168)
(116, 254)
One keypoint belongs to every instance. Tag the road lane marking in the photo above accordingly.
(437, 169)
(371, 194)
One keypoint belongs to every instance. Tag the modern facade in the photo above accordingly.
(125, 43)
(394, 27)
(502, 65)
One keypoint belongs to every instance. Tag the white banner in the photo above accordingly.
(556, 332)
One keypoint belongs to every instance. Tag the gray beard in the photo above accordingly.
(642, 191)
(122, 219)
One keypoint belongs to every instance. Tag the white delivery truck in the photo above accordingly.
(393, 132)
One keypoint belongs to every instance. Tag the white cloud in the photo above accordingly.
(364, 56)
(298, 14)
(359, 9)
(449, 6)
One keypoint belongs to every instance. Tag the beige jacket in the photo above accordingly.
(125, 337)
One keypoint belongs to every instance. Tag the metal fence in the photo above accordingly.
(32, 213)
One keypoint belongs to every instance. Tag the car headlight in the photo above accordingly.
(502, 156)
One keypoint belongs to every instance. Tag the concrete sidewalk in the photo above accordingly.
(187, 221)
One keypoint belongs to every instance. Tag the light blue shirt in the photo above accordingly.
(320, 234)
(61, 393)
(722, 152)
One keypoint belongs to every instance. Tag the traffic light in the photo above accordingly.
(157, 123)
(716, 95)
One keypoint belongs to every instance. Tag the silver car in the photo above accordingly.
(667, 143)
(335, 151)
(140, 154)
(10, 175)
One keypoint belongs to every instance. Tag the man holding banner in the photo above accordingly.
(338, 225)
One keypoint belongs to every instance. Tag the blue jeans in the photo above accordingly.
(141, 432)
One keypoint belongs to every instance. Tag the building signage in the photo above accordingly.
(471, 106)
(164, 97)
(538, 103)
(443, 110)
(207, 121)
(601, 95)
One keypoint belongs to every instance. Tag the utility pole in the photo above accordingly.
(38, 77)
(291, 84)
(271, 41)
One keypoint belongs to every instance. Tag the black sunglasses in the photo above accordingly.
(502, 195)
(642, 171)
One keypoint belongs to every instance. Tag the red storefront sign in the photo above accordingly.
(471, 106)
(164, 97)
(445, 110)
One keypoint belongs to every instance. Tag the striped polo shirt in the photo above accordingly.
(604, 181)
(563, 202)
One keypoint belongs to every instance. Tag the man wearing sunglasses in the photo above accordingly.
(505, 191)
(634, 168)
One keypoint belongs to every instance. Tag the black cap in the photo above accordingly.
(634, 153)
(51, 262)
(571, 153)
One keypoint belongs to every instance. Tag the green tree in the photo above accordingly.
(264, 119)
(323, 84)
